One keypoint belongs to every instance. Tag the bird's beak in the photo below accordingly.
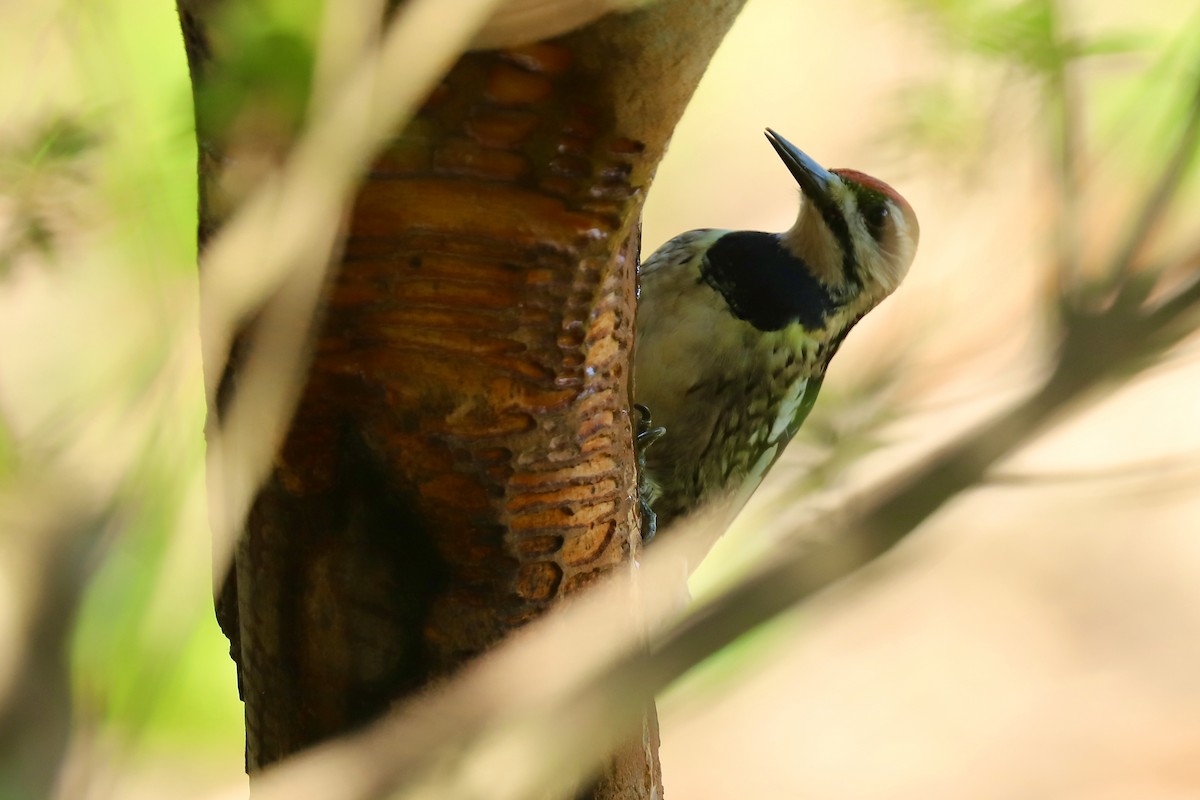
(814, 180)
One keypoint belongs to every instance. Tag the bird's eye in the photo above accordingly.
(875, 214)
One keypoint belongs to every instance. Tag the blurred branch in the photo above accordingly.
(50, 551)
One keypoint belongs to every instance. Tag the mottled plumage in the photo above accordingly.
(736, 329)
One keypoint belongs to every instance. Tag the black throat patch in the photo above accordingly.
(764, 284)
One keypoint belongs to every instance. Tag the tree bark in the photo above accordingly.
(460, 458)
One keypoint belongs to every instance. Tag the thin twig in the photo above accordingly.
(1070, 149)
(1155, 206)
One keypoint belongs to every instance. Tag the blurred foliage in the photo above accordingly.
(1027, 35)
(990, 47)
(39, 172)
(104, 399)
(268, 55)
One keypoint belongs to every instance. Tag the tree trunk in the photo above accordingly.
(460, 458)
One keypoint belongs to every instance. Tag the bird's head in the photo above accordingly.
(856, 233)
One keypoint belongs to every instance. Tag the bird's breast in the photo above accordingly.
(726, 393)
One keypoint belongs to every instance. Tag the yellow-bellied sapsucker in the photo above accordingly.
(736, 329)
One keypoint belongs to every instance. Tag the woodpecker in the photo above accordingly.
(737, 328)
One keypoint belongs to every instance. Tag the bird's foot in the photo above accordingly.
(646, 435)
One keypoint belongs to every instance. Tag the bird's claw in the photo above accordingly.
(646, 434)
